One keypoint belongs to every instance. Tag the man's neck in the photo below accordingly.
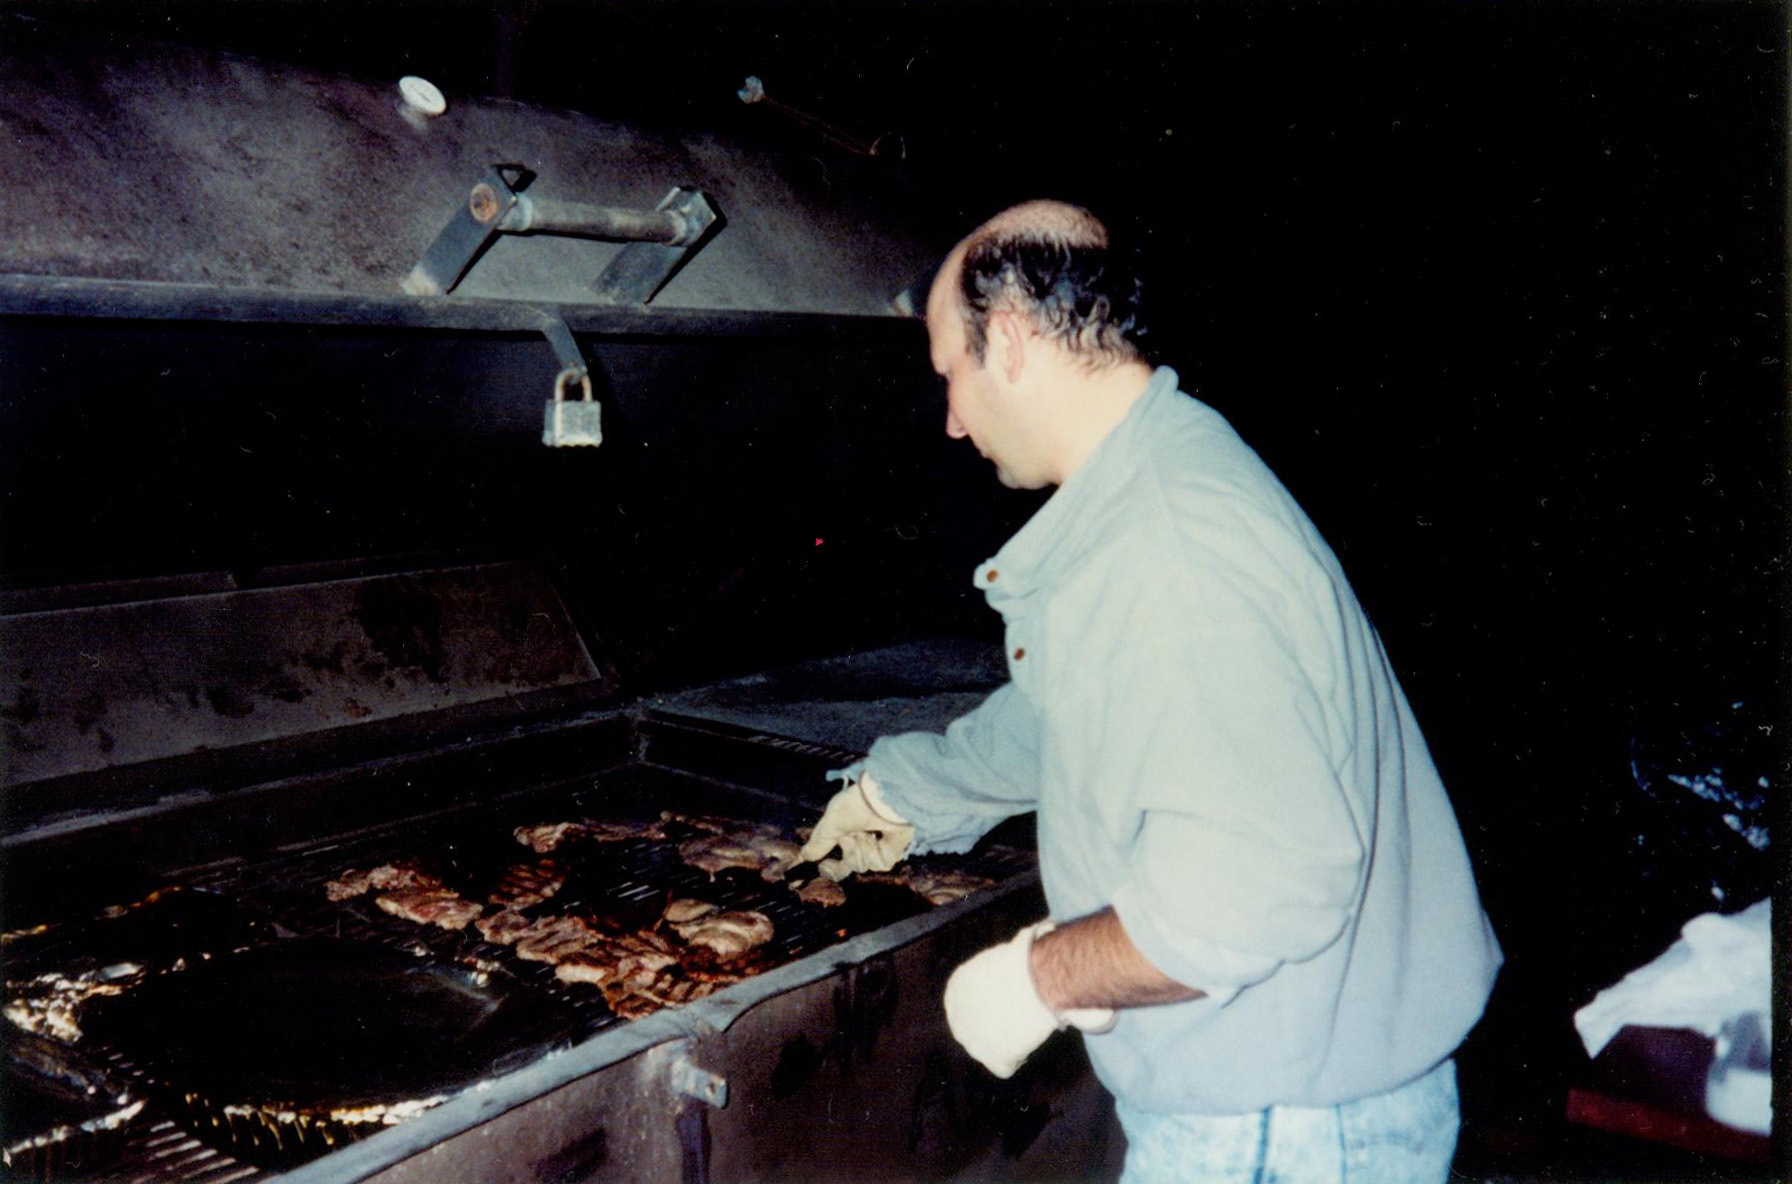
(1091, 407)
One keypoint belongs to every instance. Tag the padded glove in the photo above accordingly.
(995, 1011)
(871, 836)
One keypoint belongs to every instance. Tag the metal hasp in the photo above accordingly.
(660, 240)
(569, 423)
(693, 1081)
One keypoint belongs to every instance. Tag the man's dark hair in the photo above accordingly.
(1053, 264)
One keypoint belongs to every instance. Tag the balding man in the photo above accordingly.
(1262, 913)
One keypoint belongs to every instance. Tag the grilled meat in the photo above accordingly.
(502, 928)
(403, 875)
(822, 891)
(549, 836)
(631, 958)
(934, 886)
(762, 850)
(683, 910)
(709, 823)
(552, 939)
(430, 906)
(617, 832)
(729, 934)
(524, 884)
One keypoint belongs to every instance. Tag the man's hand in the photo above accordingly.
(995, 1011)
(871, 836)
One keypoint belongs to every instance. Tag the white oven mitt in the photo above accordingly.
(871, 836)
(995, 1011)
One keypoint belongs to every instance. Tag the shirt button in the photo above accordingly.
(1020, 652)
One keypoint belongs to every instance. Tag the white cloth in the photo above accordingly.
(1720, 968)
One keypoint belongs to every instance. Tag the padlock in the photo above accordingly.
(570, 424)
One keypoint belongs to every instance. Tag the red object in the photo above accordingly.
(1641, 1120)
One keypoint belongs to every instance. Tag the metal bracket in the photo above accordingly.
(641, 269)
(566, 346)
(695, 1082)
(660, 240)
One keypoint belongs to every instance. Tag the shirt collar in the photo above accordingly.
(1052, 539)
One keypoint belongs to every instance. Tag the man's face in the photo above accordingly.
(978, 405)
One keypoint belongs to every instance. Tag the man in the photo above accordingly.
(1263, 915)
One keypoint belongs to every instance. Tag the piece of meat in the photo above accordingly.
(504, 927)
(932, 885)
(617, 832)
(350, 883)
(430, 906)
(763, 851)
(405, 874)
(711, 823)
(552, 939)
(629, 958)
(822, 891)
(524, 884)
(728, 934)
(547, 836)
(682, 910)
(712, 853)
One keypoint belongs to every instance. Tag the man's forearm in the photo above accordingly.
(1091, 962)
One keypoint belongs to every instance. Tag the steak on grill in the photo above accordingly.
(728, 934)
(524, 884)
(430, 906)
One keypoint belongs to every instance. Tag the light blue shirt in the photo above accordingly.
(1216, 747)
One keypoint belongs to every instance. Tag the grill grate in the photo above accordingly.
(628, 880)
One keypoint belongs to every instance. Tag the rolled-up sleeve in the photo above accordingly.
(956, 786)
(1245, 850)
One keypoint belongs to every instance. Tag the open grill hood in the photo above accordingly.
(168, 165)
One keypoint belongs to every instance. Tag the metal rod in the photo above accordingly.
(543, 216)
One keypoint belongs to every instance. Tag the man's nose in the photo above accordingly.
(954, 427)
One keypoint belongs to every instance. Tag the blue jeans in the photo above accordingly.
(1405, 1136)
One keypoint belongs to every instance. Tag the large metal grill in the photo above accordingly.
(629, 880)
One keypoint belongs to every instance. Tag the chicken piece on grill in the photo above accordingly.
(729, 934)
(935, 886)
(822, 891)
(764, 851)
(552, 939)
(631, 958)
(711, 823)
(350, 883)
(430, 906)
(502, 928)
(618, 832)
(682, 910)
(387, 876)
(549, 836)
(524, 884)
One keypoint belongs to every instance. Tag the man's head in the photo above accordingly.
(1032, 305)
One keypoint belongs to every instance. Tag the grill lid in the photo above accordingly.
(99, 687)
(133, 161)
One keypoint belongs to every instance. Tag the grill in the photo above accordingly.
(293, 583)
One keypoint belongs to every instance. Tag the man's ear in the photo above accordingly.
(1007, 337)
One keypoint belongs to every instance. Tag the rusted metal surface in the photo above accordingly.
(117, 684)
(179, 165)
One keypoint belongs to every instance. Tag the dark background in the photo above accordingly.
(1498, 288)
